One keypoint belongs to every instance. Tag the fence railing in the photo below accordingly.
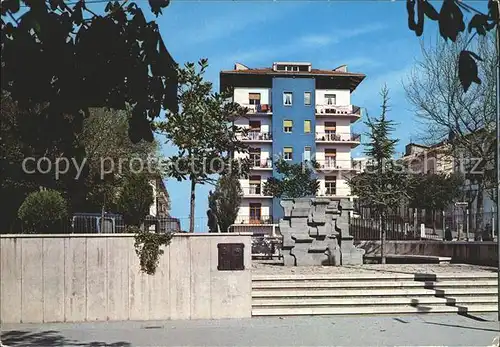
(256, 136)
(337, 137)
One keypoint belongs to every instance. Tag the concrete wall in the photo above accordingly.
(75, 278)
(478, 253)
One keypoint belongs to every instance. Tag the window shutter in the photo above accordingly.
(307, 126)
(330, 126)
(254, 96)
(288, 150)
(287, 123)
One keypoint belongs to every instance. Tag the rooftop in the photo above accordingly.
(243, 76)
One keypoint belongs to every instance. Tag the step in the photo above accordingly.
(342, 310)
(262, 293)
(375, 284)
(373, 276)
(403, 300)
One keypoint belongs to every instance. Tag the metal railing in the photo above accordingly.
(263, 164)
(337, 109)
(262, 219)
(337, 137)
(256, 136)
(260, 108)
(335, 164)
(254, 190)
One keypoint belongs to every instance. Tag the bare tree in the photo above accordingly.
(465, 119)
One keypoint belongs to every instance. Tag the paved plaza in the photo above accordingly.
(400, 330)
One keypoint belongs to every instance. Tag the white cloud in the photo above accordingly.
(308, 41)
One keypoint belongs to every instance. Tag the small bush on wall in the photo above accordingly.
(42, 212)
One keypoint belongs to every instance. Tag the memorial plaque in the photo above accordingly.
(231, 256)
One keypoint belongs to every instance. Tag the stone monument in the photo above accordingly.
(316, 232)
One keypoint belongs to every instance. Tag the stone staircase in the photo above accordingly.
(287, 295)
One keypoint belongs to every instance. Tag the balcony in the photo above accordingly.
(254, 191)
(331, 164)
(334, 192)
(331, 137)
(261, 164)
(257, 136)
(258, 109)
(351, 111)
(255, 220)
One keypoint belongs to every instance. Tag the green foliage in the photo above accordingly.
(435, 191)
(296, 180)
(41, 211)
(381, 147)
(451, 24)
(384, 184)
(203, 131)
(135, 199)
(226, 200)
(64, 54)
(148, 247)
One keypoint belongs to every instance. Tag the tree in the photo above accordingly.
(384, 184)
(225, 200)
(111, 156)
(203, 131)
(295, 180)
(135, 199)
(451, 24)
(435, 192)
(62, 53)
(43, 212)
(465, 119)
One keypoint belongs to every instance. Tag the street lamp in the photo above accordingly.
(498, 157)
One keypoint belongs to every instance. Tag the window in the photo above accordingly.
(330, 157)
(288, 153)
(254, 98)
(255, 212)
(307, 153)
(330, 185)
(287, 126)
(307, 126)
(331, 99)
(255, 185)
(330, 131)
(254, 154)
(287, 98)
(307, 98)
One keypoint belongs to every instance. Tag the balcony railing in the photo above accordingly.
(338, 110)
(257, 136)
(254, 190)
(338, 137)
(261, 108)
(254, 219)
(337, 191)
(335, 164)
(262, 164)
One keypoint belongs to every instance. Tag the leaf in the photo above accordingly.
(479, 22)
(467, 69)
(430, 11)
(451, 20)
(157, 5)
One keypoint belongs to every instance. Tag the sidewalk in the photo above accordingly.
(401, 330)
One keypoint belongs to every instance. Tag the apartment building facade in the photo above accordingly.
(297, 113)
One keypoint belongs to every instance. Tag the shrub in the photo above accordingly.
(42, 211)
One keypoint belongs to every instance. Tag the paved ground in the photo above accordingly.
(259, 268)
(401, 330)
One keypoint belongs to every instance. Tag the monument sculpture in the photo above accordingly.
(316, 232)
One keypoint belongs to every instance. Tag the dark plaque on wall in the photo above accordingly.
(231, 256)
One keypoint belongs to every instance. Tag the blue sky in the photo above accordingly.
(370, 37)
